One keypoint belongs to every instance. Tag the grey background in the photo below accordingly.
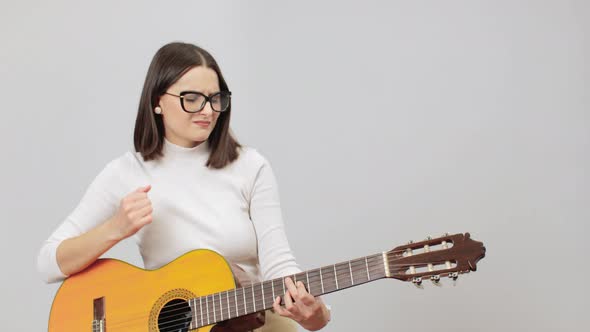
(384, 121)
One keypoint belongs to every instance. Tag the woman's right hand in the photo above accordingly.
(135, 211)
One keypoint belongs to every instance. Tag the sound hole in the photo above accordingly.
(175, 317)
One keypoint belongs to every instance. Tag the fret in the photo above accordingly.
(262, 291)
(344, 275)
(272, 284)
(335, 276)
(228, 307)
(253, 299)
(245, 302)
(307, 278)
(328, 278)
(314, 282)
(268, 294)
(240, 301)
(277, 285)
(190, 306)
(214, 311)
(230, 303)
(221, 303)
(377, 266)
(359, 272)
(201, 309)
(193, 311)
(258, 298)
(197, 316)
(300, 277)
(220, 318)
(322, 280)
(361, 269)
(220, 307)
(351, 277)
(236, 302)
(207, 304)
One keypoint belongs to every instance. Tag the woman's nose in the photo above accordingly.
(207, 110)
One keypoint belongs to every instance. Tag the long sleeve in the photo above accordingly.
(275, 256)
(96, 206)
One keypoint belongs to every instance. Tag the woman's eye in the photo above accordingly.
(192, 98)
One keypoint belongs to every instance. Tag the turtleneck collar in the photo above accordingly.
(170, 149)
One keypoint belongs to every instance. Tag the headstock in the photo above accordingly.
(445, 256)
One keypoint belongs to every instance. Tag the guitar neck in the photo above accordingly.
(217, 307)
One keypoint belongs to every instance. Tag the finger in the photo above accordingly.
(140, 203)
(144, 189)
(135, 197)
(276, 305)
(288, 300)
(301, 288)
(145, 220)
(147, 210)
(292, 307)
(138, 193)
(306, 298)
(280, 310)
(292, 288)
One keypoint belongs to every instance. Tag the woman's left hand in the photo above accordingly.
(310, 312)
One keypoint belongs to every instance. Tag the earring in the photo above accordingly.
(158, 110)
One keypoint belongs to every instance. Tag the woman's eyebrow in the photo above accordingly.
(204, 91)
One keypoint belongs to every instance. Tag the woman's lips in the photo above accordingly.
(204, 124)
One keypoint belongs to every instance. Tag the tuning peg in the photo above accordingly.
(417, 282)
(428, 238)
(454, 276)
(435, 280)
(410, 242)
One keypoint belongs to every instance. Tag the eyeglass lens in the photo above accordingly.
(194, 102)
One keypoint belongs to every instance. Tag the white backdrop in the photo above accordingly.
(384, 122)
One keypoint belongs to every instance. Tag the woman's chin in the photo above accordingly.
(200, 137)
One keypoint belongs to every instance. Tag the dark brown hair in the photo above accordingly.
(170, 62)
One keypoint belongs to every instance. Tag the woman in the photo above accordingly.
(188, 185)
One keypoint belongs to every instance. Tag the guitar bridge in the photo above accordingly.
(99, 321)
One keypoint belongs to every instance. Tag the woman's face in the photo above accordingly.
(189, 129)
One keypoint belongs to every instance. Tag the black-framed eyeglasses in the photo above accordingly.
(194, 101)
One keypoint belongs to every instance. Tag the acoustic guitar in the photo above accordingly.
(197, 290)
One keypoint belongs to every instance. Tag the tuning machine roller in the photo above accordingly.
(417, 282)
(435, 280)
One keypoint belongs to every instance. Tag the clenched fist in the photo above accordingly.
(135, 211)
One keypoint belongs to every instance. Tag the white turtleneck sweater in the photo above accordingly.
(234, 211)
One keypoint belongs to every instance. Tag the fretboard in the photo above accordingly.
(217, 307)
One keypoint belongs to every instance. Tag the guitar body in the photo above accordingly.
(134, 298)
